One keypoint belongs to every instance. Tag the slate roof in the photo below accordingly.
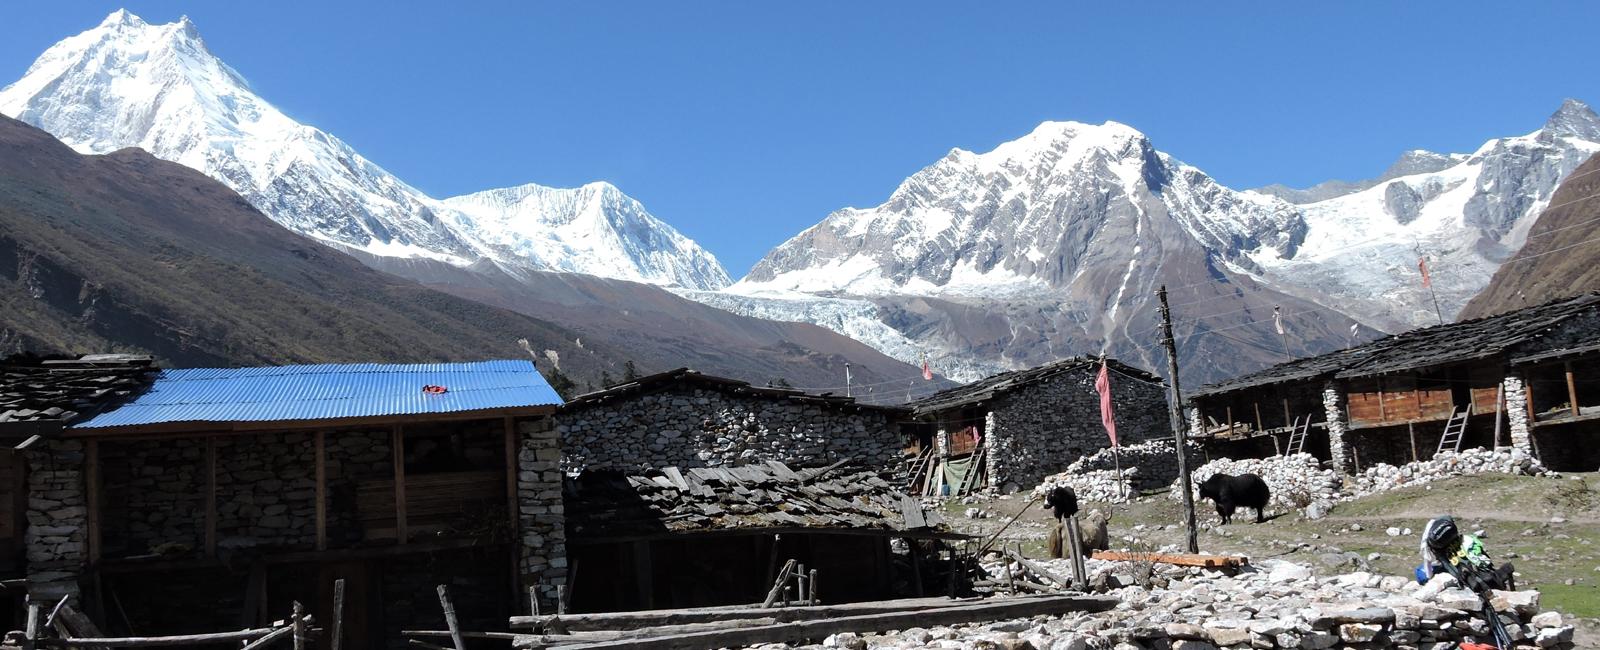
(329, 392)
(42, 395)
(770, 496)
(993, 386)
(688, 377)
(1424, 348)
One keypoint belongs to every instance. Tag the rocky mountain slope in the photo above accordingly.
(124, 252)
(128, 83)
(1561, 256)
(1054, 244)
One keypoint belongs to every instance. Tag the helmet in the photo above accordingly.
(1441, 535)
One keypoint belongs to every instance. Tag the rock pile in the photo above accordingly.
(1382, 477)
(1297, 482)
(1273, 605)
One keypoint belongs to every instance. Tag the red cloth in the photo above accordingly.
(1102, 385)
(1422, 265)
(927, 373)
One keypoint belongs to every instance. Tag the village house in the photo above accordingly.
(1011, 430)
(1528, 379)
(682, 418)
(208, 499)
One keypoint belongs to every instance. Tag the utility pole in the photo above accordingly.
(1174, 397)
(847, 379)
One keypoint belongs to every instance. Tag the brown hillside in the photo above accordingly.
(125, 252)
(1561, 257)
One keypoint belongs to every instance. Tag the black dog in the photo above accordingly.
(1062, 501)
(1231, 492)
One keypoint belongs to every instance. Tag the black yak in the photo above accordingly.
(1232, 492)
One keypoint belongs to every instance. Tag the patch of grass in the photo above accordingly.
(1577, 600)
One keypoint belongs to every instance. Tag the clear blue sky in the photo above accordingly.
(742, 123)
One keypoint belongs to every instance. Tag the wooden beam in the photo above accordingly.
(1383, 409)
(1288, 420)
(1177, 559)
(513, 465)
(322, 489)
(398, 450)
(211, 496)
(989, 610)
(450, 618)
(1230, 420)
(1572, 389)
(214, 638)
(91, 468)
(1527, 390)
(601, 621)
(1411, 430)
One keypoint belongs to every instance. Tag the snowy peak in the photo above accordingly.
(1574, 119)
(129, 83)
(592, 226)
(1419, 161)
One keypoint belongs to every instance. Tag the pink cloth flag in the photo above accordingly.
(1102, 385)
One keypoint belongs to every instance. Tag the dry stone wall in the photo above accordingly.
(542, 513)
(1040, 429)
(699, 427)
(57, 518)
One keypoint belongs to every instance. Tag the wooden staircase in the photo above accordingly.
(1454, 430)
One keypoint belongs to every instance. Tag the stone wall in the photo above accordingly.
(1333, 405)
(542, 520)
(1039, 429)
(699, 427)
(57, 518)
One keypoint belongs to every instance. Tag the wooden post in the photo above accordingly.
(1229, 411)
(31, 634)
(513, 504)
(398, 450)
(533, 601)
(1383, 409)
(1572, 390)
(322, 490)
(1288, 420)
(811, 588)
(1499, 410)
(1180, 435)
(91, 499)
(1527, 390)
(211, 496)
(1080, 578)
(298, 623)
(1411, 430)
(338, 614)
(561, 599)
(1261, 426)
(450, 618)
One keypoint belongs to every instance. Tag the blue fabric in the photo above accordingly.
(329, 391)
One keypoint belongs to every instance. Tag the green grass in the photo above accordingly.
(1578, 600)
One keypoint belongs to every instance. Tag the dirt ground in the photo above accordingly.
(1548, 527)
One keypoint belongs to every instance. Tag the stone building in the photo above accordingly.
(1528, 379)
(1011, 430)
(212, 498)
(682, 418)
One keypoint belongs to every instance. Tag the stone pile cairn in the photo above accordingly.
(1449, 464)
(1297, 482)
(1274, 605)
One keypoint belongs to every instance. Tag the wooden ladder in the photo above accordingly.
(1297, 436)
(1454, 430)
(918, 468)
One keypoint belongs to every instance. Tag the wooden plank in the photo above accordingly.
(322, 489)
(989, 610)
(1179, 559)
(214, 638)
(911, 510)
(91, 468)
(1572, 390)
(398, 450)
(211, 496)
(575, 623)
(298, 624)
(337, 633)
(269, 638)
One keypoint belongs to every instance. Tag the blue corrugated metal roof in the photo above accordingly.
(329, 391)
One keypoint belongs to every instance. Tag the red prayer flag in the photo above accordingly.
(927, 373)
(1102, 385)
(1422, 265)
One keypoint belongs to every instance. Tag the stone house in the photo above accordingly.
(212, 498)
(1011, 430)
(682, 418)
(1528, 378)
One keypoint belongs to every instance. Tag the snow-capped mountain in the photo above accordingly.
(128, 83)
(1053, 244)
(583, 229)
